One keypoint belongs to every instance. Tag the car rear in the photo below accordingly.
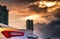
(10, 33)
(7, 32)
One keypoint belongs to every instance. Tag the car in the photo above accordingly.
(8, 32)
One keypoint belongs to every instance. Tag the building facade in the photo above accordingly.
(3, 15)
(29, 24)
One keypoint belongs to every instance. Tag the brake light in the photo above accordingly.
(9, 34)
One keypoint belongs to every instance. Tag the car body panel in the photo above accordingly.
(4, 27)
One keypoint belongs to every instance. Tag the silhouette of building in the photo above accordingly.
(3, 14)
(29, 24)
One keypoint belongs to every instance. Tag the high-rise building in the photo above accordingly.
(3, 14)
(29, 24)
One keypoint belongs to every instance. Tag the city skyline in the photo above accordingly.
(45, 14)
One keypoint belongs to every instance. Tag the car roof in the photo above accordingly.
(4, 25)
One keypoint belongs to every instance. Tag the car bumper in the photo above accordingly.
(18, 37)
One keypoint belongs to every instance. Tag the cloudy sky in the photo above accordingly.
(21, 10)
(46, 15)
(17, 10)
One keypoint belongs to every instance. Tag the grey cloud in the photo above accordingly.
(37, 9)
(18, 1)
(49, 30)
(55, 28)
(57, 13)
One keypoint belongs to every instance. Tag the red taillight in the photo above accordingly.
(9, 34)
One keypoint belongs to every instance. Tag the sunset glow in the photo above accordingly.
(46, 4)
(50, 4)
(31, 17)
(20, 12)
